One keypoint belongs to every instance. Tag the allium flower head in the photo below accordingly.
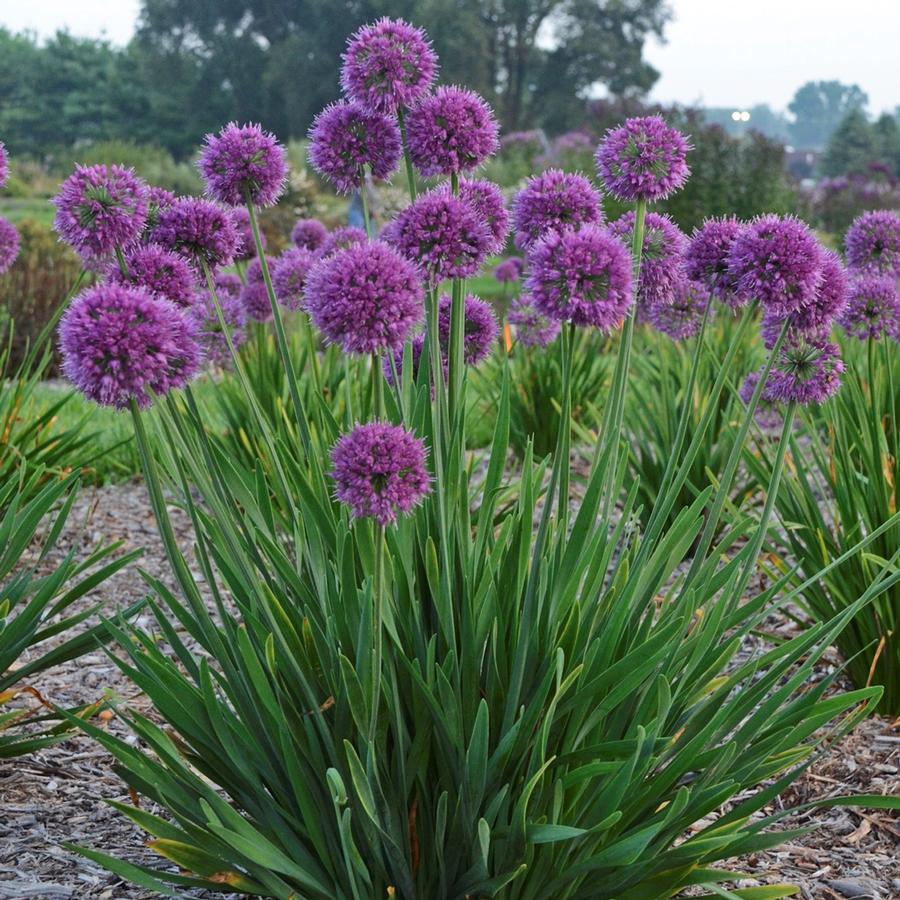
(873, 243)
(341, 238)
(388, 65)
(243, 163)
(644, 159)
(346, 137)
(551, 201)
(203, 314)
(246, 248)
(451, 131)
(9, 244)
(379, 471)
(442, 234)
(4, 166)
(778, 262)
(683, 317)
(254, 295)
(254, 271)
(118, 342)
(158, 199)
(308, 234)
(99, 208)
(200, 231)
(583, 277)
(480, 329)
(487, 201)
(365, 298)
(289, 276)
(509, 270)
(873, 308)
(532, 328)
(662, 260)
(706, 258)
(805, 372)
(158, 271)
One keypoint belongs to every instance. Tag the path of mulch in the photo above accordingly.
(57, 794)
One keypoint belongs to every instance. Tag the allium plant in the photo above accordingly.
(200, 231)
(551, 201)
(9, 244)
(341, 238)
(289, 276)
(486, 691)
(706, 259)
(246, 246)
(308, 234)
(873, 243)
(159, 271)
(873, 308)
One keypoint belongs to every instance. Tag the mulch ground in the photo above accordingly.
(57, 795)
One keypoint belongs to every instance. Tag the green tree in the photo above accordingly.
(887, 134)
(818, 107)
(853, 147)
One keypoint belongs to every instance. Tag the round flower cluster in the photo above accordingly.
(873, 243)
(662, 260)
(554, 200)
(582, 277)
(532, 328)
(873, 308)
(206, 320)
(200, 231)
(480, 329)
(158, 271)
(804, 372)
(683, 317)
(341, 238)
(487, 201)
(308, 234)
(388, 65)
(643, 159)
(509, 270)
(243, 164)
(9, 245)
(366, 298)
(289, 276)
(246, 248)
(347, 137)
(254, 293)
(158, 199)
(451, 131)
(119, 343)
(100, 208)
(379, 471)
(442, 234)
(706, 258)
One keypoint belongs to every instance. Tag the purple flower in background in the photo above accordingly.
(199, 230)
(804, 372)
(366, 298)
(241, 164)
(480, 329)
(532, 328)
(509, 270)
(583, 277)
(644, 159)
(341, 238)
(767, 414)
(209, 330)
(388, 65)
(289, 276)
(158, 199)
(551, 201)
(442, 234)
(308, 234)
(100, 208)
(120, 342)
(246, 248)
(255, 301)
(158, 271)
(346, 137)
(451, 131)
(873, 308)
(9, 244)
(706, 258)
(662, 262)
(254, 272)
(777, 261)
(873, 243)
(4, 166)
(487, 201)
(683, 317)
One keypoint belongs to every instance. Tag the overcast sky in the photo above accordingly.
(718, 52)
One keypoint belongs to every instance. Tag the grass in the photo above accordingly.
(18, 208)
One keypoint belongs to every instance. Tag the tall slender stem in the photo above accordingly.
(377, 386)
(120, 259)
(364, 198)
(377, 629)
(564, 437)
(407, 159)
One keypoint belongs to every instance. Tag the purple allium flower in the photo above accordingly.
(532, 328)
(805, 372)
(289, 276)
(4, 166)
(388, 65)
(209, 330)
(873, 243)
(379, 470)
(442, 234)
(246, 248)
(451, 131)
(706, 258)
(118, 342)
(873, 308)
(341, 238)
(583, 277)
(158, 199)
(767, 413)
(158, 271)
(366, 298)
(200, 231)
(509, 270)
(662, 260)
(308, 234)
(243, 163)
(254, 272)
(254, 294)
(481, 328)
(644, 159)
(681, 318)
(100, 208)
(345, 137)
(777, 261)
(554, 200)
(487, 201)
(9, 244)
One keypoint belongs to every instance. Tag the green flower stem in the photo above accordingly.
(407, 159)
(363, 196)
(377, 386)
(120, 258)
(564, 436)
(378, 631)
